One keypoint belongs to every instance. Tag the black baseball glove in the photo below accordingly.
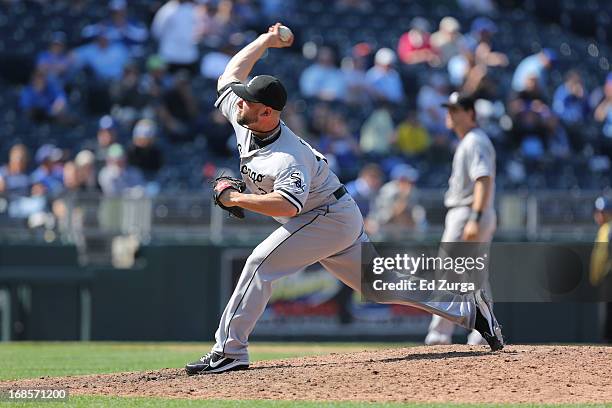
(223, 183)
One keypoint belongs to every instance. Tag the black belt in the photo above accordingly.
(339, 193)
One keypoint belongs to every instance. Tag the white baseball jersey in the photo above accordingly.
(283, 162)
(474, 158)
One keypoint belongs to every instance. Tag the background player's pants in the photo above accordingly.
(331, 235)
(441, 329)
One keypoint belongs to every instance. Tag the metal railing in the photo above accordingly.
(192, 217)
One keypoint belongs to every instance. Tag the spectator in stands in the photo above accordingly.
(214, 62)
(414, 47)
(469, 70)
(396, 201)
(430, 98)
(128, 98)
(117, 177)
(245, 15)
(535, 127)
(486, 7)
(105, 60)
(361, 6)
(105, 137)
(120, 28)
(376, 134)
(571, 105)
(383, 80)
(534, 65)
(358, 90)
(341, 144)
(85, 163)
(218, 131)
(14, 179)
(48, 176)
(365, 187)
(448, 40)
(44, 100)
(411, 137)
(603, 115)
(480, 42)
(143, 153)
(55, 62)
(175, 27)
(323, 80)
(179, 111)
(156, 80)
(213, 22)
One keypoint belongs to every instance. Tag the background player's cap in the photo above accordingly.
(264, 89)
(603, 204)
(456, 99)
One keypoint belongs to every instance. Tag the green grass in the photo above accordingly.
(118, 402)
(33, 359)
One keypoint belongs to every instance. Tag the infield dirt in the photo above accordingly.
(461, 374)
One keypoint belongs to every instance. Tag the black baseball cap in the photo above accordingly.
(264, 89)
(456, 99)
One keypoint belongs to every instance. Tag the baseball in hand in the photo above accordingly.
(285, 33)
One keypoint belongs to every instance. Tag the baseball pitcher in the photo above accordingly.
(287, 179)
(469, 199)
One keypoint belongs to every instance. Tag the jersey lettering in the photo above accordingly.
(254, 176)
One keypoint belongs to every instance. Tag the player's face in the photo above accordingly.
(248, 112)
(457, 117)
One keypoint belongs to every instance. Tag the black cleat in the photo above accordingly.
(215, 363)
(486, 323)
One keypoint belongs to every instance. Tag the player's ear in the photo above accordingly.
(266, 112)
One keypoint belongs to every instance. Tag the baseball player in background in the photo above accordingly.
(289, 180)
(469, 199)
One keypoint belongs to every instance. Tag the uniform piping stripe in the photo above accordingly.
(222, 96)
(291, 198)
(254, 273)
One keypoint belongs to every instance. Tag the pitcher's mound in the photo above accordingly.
(529, 374)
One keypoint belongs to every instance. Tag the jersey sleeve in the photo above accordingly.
(226, 102)
(294, 185)
(480, 162)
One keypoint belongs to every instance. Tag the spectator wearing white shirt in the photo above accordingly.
(448, 40)
(384, 80)
(429, 99)
(175, 26)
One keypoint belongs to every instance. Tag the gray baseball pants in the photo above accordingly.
(455, 221)
(331, 235)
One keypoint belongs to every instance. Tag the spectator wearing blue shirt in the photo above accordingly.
(603, 115)
(571, 105)
(119, 28)
(55, 61)
(385, 81)
(43, 99)
(365, 187)
(49, 174)
(534, 65)
(323, 80)
(105, 59)
(338, 141)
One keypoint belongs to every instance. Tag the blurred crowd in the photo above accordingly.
(144, 101)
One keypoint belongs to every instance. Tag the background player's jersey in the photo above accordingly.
(474, 158)
(288, 165)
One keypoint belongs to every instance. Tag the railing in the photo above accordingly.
(192, 217)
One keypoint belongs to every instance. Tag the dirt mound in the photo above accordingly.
(529, 374)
